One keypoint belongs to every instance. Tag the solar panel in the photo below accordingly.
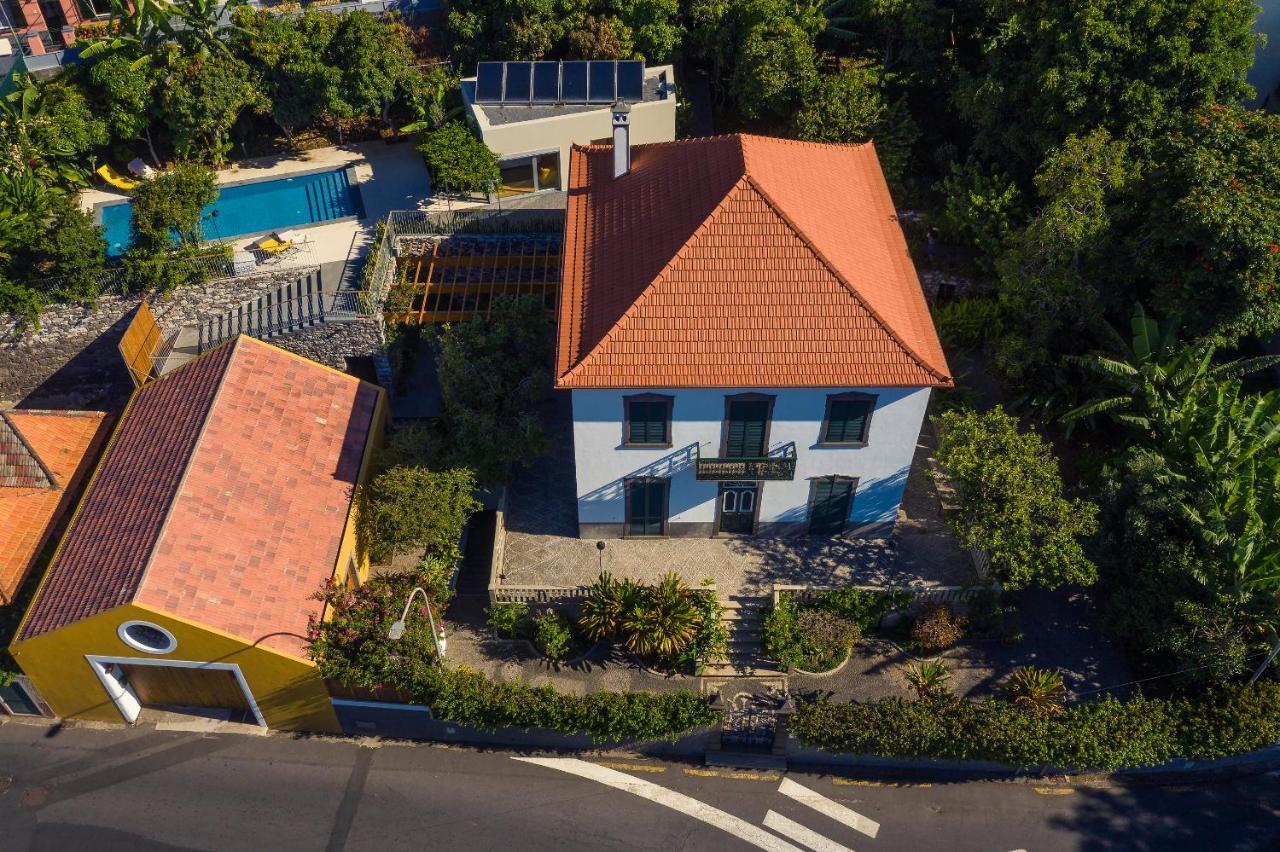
(519, 88)
(546, 82)
(573, 82)
(631, 81)
(602, 76)
(489, 82)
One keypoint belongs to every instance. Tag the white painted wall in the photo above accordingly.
(651, 121)
(697, 416)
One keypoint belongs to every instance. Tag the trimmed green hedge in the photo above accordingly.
(1105, 734)
(467, 697)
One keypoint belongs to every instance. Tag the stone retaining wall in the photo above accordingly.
(71, 360)
(332, 343)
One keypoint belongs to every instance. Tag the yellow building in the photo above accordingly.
(188, 574)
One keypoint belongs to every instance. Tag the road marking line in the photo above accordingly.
(1053, 791)
(687, 805)
(628, 767)
(825, 806)
(800, 834)
(859, 782)
(736, 775)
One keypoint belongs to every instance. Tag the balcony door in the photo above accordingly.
(830, 499)
(746, 427)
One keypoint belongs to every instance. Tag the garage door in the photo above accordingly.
(172, 686)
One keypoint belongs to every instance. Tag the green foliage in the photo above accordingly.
(507, 620)
(47, 129)
(1105, 734)
(806, 637)
(668, 622)
(128, 94)
(169, 205)
(494, 371)
(1011, 501)
(607, 602)
(406, 509)
(349, 639)
(290, 64)
(21, 301)
(664, 620)
(374, 59)
(928, 678)
(201, 100)
(968, 323)
(865, 607)
(981, 208)
(553, 634)
(936, 627)
(458, 160)
(1038, 691)
(74, 249)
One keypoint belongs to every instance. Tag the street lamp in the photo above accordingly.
(397, 629)
(600, 556)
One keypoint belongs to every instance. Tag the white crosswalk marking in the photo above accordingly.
(800, 834)
(727, 822)
(825, 806)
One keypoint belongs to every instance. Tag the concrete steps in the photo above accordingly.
(743, 621)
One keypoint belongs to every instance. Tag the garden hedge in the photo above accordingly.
(467, 697)
(1105, 734)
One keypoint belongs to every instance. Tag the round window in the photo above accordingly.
(148, 637)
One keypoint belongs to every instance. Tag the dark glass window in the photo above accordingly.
(831, 502)
(649, 421)
(646, 506)
(847, 420)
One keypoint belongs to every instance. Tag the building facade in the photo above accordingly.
(744, 338)
(533, 141)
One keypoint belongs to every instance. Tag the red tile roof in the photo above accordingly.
(222, 498)
(739, 261)
(53, 449)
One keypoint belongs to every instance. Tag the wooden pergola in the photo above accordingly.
(455, 277)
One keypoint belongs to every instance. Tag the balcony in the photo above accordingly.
(778, 466)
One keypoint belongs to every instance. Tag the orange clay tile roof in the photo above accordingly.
(222, 498)
(43, 458)
(739, 261)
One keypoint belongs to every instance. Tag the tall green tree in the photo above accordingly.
(202, 99)
(408, 508)
(167, 209)
(1011, 501)
(129, 96)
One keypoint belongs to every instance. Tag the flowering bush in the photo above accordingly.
(349, 641)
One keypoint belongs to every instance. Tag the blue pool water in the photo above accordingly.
(248, 208)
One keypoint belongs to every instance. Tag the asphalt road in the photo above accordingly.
(152, 791)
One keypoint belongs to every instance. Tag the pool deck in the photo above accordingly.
(390, 177)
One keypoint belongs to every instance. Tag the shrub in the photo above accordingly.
(458, 161)
(507, 620)
(1104, 734)
(807, 638)
(1039, 691)
(937, 627)
(553, 634)
(408, 507)
(928, 679)
(864, 606)
(664, 620)
(968, 323)
(605, 605)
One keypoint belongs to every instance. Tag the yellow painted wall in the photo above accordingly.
(290, 693)
(350, 545)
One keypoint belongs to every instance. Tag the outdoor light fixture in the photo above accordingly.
(600, 556)
(397, 628)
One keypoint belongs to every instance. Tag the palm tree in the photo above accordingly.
(664, 621)
(1040, 691)
(928, 678)
(1155, 376)
(152, 29)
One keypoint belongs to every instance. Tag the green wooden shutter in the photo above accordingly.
(745, 435)
(847, 423)
(647, 422)
(647, 498)
(830, 506)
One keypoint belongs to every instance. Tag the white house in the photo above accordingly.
(531, 113)
(744, 337)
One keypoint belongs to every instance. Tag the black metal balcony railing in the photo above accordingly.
(771, 468)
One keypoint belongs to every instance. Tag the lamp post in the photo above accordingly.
(397, 629)
(600, 556)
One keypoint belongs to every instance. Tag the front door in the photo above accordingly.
(646, 507)
(830, 505)
(738, 508)
(745, 432)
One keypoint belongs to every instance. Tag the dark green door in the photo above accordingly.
(738, 509)
(646, 506)
(744, 437)
(831, 499)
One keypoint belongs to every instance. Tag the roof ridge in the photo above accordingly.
(800, 234)
(234, 344)
(660, 276)
(31, 451)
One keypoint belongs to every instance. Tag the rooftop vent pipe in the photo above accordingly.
(621, 139)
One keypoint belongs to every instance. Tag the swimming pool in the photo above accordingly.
(261, 206)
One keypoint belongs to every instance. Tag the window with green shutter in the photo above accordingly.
(848, 419)
(747, 426)
(646, 506)
(648, 421)
(829, 504)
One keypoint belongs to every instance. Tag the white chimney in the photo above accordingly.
(621, 139)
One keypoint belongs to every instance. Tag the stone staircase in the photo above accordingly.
(744, 622)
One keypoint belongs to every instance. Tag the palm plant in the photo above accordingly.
(607, 603)
(1154, 376)
(1040, 691)
(149, 28)
(664, 620)
(928, 678)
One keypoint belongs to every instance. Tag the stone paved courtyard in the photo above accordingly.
(542, 549)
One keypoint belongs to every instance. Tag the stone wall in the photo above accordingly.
(72, 360)
(333, 342)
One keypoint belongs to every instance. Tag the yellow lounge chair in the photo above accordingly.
(116, 179)
(275, 249)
